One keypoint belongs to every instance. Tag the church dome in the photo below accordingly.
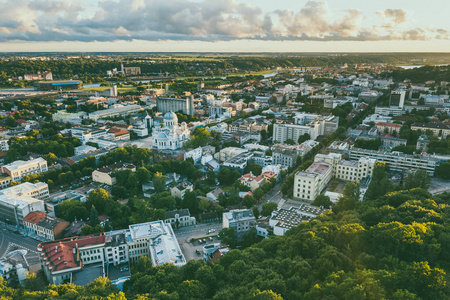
(161, 136)
(171, 116)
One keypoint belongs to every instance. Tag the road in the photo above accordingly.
(10, 241)
(274, 195)
(439, 186)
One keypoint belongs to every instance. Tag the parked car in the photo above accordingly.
(197, 252)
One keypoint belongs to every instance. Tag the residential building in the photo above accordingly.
(179, 218)
(390, 128)
(214, 194)
(167, 104)
(106, 174)
(195, 154)
(18, 169)
(4, 145)
(14, 208)
(368, 96)
(240, 219)
(389, 111)
(115, 112)
(83, 149)
(54, 200)
(438, 129)
(228, 153)
(43, 225)
(14, 267)
(252, 181)
(398, 161)
(38, 190)
(422, 143)
(355, 170)
(310, 183)
(68, 259)
(180, 189)
(392, 142)
(238, 162)
(286, 155)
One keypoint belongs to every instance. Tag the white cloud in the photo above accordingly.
(207, 20)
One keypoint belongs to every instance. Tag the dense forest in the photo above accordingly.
(421, 75)
(394, 247)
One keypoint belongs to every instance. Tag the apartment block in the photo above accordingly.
(38, 190)
(355, 170)
(18, 169)
(41, 224)
(240, 219)
(438, 129)
(398, 161)
(310, 183)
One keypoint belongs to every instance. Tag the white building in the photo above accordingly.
(195, 154)
(310, 183)
(83, 149)
(355, 170)
(14, 208)
(179, 218)
(4, 145)
(18, 169)
(62, 260)
(283, 219)
(171, 136)
(240, 219)
(38, 190)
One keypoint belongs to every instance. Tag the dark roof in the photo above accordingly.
(432, 125)
(181, 212)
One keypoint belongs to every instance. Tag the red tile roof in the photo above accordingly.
(388, 124)
(63, 254)
(35, 217)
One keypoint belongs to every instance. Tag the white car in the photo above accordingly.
(211, 230)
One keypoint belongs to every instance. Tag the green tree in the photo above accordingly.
(418, 179)
(93, 217)
(268, 208)
(322, 200)
(443, 171)
(304, 138)
(229, 236)
(159, 182)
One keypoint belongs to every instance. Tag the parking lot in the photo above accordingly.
(194, 250)
(90, 186)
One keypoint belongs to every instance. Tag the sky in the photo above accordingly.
(225, 26)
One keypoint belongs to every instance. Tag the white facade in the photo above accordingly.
(310, 183)
(240, 219)
(195, 154)
(355, 170)
(18, 169)
(37, 190)
(4, 145)
(171, 136)
(114, 112)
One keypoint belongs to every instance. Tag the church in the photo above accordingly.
(170, 136)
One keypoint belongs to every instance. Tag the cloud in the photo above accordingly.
(207, 20)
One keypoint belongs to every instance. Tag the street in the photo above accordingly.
(10, 241)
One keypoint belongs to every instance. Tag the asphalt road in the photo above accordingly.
(10, 241)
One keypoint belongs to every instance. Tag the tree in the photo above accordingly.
(322, 200)
(93, 217)
(229, 236)
(418, 179)
(379, 185)
(304, 138)
(50, 158)
(211, 177)
(119, 191)
(254, 168)
(99, 198)
(143, 175)
(268, 208)
(249, 201)
(159, 182)
(443, 171)
(289, 142)
(256, 211)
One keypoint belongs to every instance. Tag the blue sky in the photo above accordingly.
(225, 25)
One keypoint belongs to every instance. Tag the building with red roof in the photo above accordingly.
(41, 224)
(252, 181)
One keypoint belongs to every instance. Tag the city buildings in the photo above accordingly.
(18, 169)
(41, 224)
(438, 129)
(70, 259)
(355, 170)
(305, 124)
(390, 128)
(58, 85)
(240, 219)
(114, 112)
(310, 183)
(38, 190)
(283, 219)
(167, 104)
(397, 161)
(252, 181)
(106, 174)
(14, 208)
(397, 98)
(286, 155)
(179, 218)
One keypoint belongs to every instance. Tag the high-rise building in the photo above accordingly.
(397, 98)
(167, 104)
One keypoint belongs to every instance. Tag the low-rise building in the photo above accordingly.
(240, 219)
(180, 189)
(42, 225)
(5, 180)
(180, 218)
(438, 129)
(115, 112)
(106, 174)
(284, 219)
(252, 181)
(18, 169)
(390, 128)
(355, 170)
(14, 267)
(66, 260)
(38, 190)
